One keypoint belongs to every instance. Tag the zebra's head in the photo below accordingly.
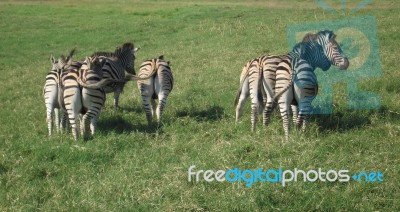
(63, 62)
(57, 65)
(332, 50)
(126, 54)
(94, 64)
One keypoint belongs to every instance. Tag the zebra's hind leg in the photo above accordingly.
(254, 115)
(269, 107)
(57, 119)
(295, 113)
(87, 120)
(148, 107)
(162, 101)
(254, 106)
(284, 107)
(49, 120)
(73, 120)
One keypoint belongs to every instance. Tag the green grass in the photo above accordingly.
(128, 166)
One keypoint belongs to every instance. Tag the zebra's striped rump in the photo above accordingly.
(93, 97)
(82, 93)
(250, 85)
(257, 80)
(158, 86)
(51, 90)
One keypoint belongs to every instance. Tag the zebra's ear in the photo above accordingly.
(52, 59)
(102, 62)
(161, 57)
(310, 37)
(67, 64)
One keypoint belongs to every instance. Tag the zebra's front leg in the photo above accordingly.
(305, 108)
(117, 93)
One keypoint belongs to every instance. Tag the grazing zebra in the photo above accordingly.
(50, 90)
(116, 62)
(296, 81)
(158, 86)
(255, 76)
(250, 85)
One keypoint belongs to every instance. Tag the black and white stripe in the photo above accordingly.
(296, 81)
(257, 80)
(158, 86)
(50, 91)
(82, 93)
(116, 64)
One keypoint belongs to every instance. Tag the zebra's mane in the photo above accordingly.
(117, 51)
(310, 37)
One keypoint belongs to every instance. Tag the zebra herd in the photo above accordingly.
(78, 88)
(288, 80)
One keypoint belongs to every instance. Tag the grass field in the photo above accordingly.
(128, 166)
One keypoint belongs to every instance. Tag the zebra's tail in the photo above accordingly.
(100, 84)
(61, 94)
(239, 91)
(276, 97)
(131, 77)
(238, 94)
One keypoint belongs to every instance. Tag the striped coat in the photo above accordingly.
(51, 90)
(158, 86)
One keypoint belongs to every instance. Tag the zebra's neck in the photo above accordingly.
(313, 53)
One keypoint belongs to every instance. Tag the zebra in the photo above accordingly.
(75, 79)
(250, 85)
(253, 79)
(296, 81)
(50, 91)
(158, 86)
(116, 62)
(82, 93)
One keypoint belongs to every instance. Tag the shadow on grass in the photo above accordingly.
(352, 119)
(211, 114)
(118, 125)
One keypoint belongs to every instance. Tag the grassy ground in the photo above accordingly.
(128, 166)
